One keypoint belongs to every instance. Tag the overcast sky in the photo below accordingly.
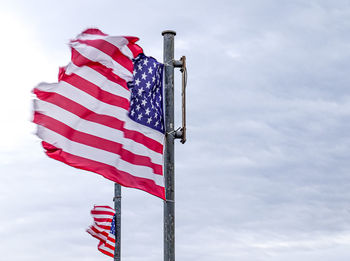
(265, 172)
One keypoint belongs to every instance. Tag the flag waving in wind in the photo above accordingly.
(103, 228)
(105, 114)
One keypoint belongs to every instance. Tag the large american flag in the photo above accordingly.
(103, 228)
(105, 114)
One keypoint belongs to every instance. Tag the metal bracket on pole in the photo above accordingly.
(181, 133)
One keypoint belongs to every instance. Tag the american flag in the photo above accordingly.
(105, 114)
(103, 228)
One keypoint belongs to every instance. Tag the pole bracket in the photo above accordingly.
(181, 132)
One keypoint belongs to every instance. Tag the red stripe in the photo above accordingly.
(108, 73)
(61, 72)
(111, 50)
(95, 234)
(105, 120)
(104, 227)
(105, 252)
(101, 234)
(95, 142)
(143, 139)
(102, 212)
(109, 243)
(103, 219)
(78, 59)
(96, 91)
(94, 31)
(107, 171)
(134, 48)
(102, 206)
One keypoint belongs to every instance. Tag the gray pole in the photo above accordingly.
(169, 204)
(117, 207)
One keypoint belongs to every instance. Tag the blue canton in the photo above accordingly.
(112, 231)
(146, 102)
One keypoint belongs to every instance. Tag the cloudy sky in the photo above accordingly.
(265, 172)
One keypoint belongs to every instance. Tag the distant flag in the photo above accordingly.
(103, 228)
(105, 114)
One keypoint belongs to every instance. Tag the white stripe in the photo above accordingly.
(103, 247)
(110, 215)
(98, 233)
(99, 230)
(124, 48)
(111, 236)
(98, 79)
(147, 131)
(118, 41)
(102, 225)
(102, 156)
(97, 207)
(104, 208)
(95, 129)
(96, 55)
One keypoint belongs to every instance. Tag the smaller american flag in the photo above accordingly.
(103, 228)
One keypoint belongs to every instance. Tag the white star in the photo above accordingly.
(145, 62)
(134, 72)
(150, 70)
(154, 65)
(157, 104)
(144, 76)
(148, 84)
(156, 115)
(147, 111)
(153, 79)
(140, 67)
(149, 120)
(156, 124)
(139, 116)
(137, 82)
(144, 102)
(132, 113)
(140, 91)
(138, 107)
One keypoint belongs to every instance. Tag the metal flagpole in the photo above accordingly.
(117, 206)
(169, 204)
